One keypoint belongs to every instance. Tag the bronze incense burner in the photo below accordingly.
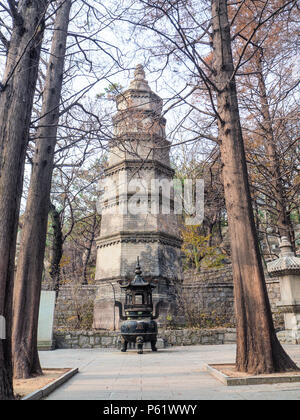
(138, 324)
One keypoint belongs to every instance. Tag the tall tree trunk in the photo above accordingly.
(32, 247)
(258, 349)
(16, 99)
(89, 248)
(272, 155)
(57, 248)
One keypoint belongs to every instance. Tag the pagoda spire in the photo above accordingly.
(139, 82)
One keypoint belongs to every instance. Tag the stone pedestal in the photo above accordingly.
(287, 269)
(139, 154)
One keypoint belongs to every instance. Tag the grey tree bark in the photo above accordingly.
(32, 246)
(92, 233)
(16, 99)
(56, 248)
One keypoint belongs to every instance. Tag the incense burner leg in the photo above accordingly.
(153, 345)
(124, 344)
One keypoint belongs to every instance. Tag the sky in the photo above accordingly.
(105, 52)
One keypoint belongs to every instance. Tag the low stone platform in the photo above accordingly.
(226, 374)
(167, 338)
(288, 337)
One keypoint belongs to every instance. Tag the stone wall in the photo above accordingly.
(85, 339)
(182, 337)
(223, 274)
(72, 299)
(188, 337)
(210, 291)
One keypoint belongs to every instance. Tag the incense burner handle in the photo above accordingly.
(119, 305)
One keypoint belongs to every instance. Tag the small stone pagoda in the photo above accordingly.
(139, 153)
(287, 269)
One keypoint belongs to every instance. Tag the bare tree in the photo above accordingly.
(16, 98)
(267, 92)
(186, 33)
(258, 349)
(76, 221)
(32, 247)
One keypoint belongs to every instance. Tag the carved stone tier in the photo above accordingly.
(137, 237)
(136, 165)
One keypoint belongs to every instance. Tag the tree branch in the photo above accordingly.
(14, 12)
(4, 41)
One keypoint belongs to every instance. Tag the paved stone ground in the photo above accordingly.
(174, 373)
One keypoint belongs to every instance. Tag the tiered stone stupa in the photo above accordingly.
(139, 152)
(287, 269)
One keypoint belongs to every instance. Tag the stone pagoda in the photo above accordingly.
(134, 220)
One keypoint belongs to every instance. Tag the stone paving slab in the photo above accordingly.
(176, 373)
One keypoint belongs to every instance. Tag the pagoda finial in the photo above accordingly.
(138, 267)
(285, 246)
(139, 82)
(139, 73)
